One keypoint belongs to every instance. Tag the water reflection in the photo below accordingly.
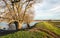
(4, 26)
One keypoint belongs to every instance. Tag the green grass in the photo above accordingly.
(38, 34)
(49, 26)
(26, 34)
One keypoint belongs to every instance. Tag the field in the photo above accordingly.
(41, 30)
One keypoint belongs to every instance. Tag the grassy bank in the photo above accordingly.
(27, 34)
(49, 26)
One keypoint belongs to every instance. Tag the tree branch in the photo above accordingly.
(25, 10)
(5, 18)
(10, 9)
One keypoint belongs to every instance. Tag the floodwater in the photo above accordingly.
(5, 25)
(31, 24)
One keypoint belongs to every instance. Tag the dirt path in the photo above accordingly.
(46, 31)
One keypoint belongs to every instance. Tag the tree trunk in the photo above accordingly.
(28, 26)
(20, 25)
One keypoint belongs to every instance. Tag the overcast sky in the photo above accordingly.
(47, 9)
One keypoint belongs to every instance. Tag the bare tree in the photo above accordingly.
(28, 17)
(18, 12)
